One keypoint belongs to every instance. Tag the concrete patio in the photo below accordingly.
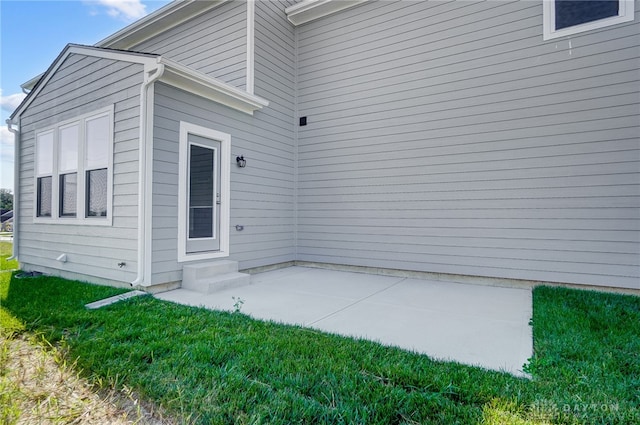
(473, 324)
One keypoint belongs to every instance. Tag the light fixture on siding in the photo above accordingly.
(241, 161)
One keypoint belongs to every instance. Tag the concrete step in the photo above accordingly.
(213, 276)
(195, 272)
(213, 284)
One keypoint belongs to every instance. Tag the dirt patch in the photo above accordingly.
(38, 387)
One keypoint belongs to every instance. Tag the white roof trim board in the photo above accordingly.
(177, 12)
(182, 77)
(310, 10)
(175, 74)
(167, 17)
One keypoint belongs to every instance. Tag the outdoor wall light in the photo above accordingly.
(241, 161)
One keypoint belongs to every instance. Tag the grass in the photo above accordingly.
(208, 367)
(5, 251)
(38, 386)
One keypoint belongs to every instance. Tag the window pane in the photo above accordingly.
(44, 153)
(97, 145)
(200, 192)
(201, 222)
(68, 194)
(68, 149)
(97, 193)
(44, 197)
(200, 177)
(575, 12)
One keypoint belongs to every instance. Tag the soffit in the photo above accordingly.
(310, 10)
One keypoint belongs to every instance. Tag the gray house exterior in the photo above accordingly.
(468, 138)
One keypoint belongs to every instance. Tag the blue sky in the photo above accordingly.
(33, 33)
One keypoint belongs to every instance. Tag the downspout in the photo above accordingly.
(16, 184)
(150, 76)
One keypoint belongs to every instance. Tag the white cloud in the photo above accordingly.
(124, 9)
(11, 102)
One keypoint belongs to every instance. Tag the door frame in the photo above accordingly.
(187, 128)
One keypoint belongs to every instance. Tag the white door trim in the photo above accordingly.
(225, 189)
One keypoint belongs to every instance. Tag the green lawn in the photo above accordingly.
(224, 368)
(5, 252)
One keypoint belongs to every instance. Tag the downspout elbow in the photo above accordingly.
(150, 77)
(16, 185)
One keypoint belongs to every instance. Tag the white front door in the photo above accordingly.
(203, 195)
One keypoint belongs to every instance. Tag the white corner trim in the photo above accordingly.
(310, 10)
(625, 14)
(187, 128)
(251, 15)
(195, 82)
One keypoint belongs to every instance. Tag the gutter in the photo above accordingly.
(151, 75)
(16, 185)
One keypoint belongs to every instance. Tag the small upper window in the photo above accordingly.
(566, 17)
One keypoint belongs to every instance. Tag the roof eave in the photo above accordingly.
(191, 81)
(167, 17)
(310, 10)
(134, 57)
(163, 19)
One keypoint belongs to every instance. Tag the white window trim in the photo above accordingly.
(225, 189)
(80, 218)
(625, 14)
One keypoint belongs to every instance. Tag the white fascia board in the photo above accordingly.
(195, 82)
(163, 19)
(310, 10)
(146, 59)
(28, 85)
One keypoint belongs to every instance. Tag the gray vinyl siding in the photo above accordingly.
(80, 85)
(448, 137)
(261, 194)
(213, 43)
